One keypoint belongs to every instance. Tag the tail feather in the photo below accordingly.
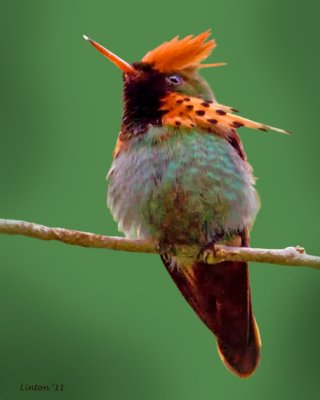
(220, 296)
(242, 362)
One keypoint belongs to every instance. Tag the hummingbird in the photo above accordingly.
(180, 177)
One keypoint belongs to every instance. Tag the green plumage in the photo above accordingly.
(185, 187)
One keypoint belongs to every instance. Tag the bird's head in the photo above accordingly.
(171, 68)
(165, 88)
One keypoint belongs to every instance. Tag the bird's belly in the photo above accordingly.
(186, 189)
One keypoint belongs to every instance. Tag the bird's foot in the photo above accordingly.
(208, 253)
(168, 254)
(166, 250)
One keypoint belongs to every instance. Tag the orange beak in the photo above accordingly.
(121, 64)
(221, 64)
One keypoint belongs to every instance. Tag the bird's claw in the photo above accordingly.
(167, 250)
(208, 253)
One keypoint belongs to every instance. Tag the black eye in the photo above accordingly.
(174, 79)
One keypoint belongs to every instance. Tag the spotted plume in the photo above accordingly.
(189, 112)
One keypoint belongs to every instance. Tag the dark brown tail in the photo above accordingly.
(220, 295)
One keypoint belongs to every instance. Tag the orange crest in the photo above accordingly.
(183, 53)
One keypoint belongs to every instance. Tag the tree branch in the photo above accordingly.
(291, 256)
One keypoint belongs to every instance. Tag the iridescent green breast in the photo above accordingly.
(184, 187)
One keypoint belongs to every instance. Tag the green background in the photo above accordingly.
(111, 325)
